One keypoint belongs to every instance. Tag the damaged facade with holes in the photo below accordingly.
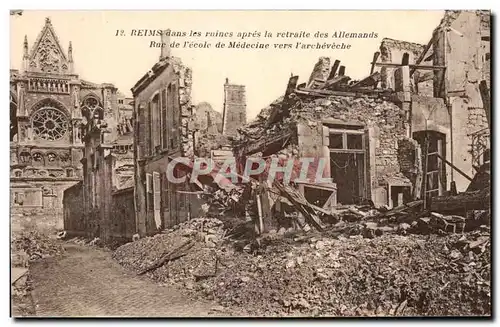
(454, 69)
(164, 132)
(46, 140)
(355, 128)
(376, 133)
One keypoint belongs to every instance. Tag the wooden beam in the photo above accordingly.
(375, 58)
(342, 71)
(334, 69)
(419, 78)
(454, 167)
(422, 55)
(307, 91)
(371, 80)
(411, 66)
(263, 143)
(335, 81)
(478, 200)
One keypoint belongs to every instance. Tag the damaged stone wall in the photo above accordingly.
(392, 51)
(384, 124)
(467, 57)
(386, 116)
(186, 108)
(321, 70)
(409, 158)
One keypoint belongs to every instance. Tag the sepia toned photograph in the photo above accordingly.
(250, 164)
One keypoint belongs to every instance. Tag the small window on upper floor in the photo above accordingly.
(120, 101)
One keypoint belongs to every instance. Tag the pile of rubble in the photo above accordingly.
(355, 267)
(356, 276)
(26, 247)
(181, 255)
(33, 245)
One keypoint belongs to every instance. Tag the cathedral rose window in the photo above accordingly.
(49, 124)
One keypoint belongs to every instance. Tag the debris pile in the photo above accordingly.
(182, 255)
(356, 276)
(26, 247)
(33, 245)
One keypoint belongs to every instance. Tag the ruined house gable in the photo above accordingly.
(390, 49)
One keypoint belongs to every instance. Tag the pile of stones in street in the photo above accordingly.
(32, 245)
(27, 247)
(206, 234)
(336, 272)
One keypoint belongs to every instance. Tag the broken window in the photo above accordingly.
(354, 141)
(336, 141)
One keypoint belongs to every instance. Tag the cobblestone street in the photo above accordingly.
(88, 282)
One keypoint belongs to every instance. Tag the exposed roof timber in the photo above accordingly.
(375, 58)
(413, 67)
(371, 80)
(335, 81)
(423, 54)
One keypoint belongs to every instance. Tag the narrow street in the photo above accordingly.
(88, 282)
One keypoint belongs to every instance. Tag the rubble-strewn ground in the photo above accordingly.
(325, 274)
(28, 247)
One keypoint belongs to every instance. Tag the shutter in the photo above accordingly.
(157, 199)
(149, 182)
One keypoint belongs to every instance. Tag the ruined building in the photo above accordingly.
(235, 108)
(48, 104)
(404, 132)
(208, 129)
(450, 68)
(163, 111)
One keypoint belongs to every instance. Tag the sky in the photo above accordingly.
(101, 56)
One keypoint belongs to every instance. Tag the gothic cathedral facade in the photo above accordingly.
(49, 108)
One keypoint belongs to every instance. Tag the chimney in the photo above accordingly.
(165, 44)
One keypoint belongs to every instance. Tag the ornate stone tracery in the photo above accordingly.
(49, 124)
